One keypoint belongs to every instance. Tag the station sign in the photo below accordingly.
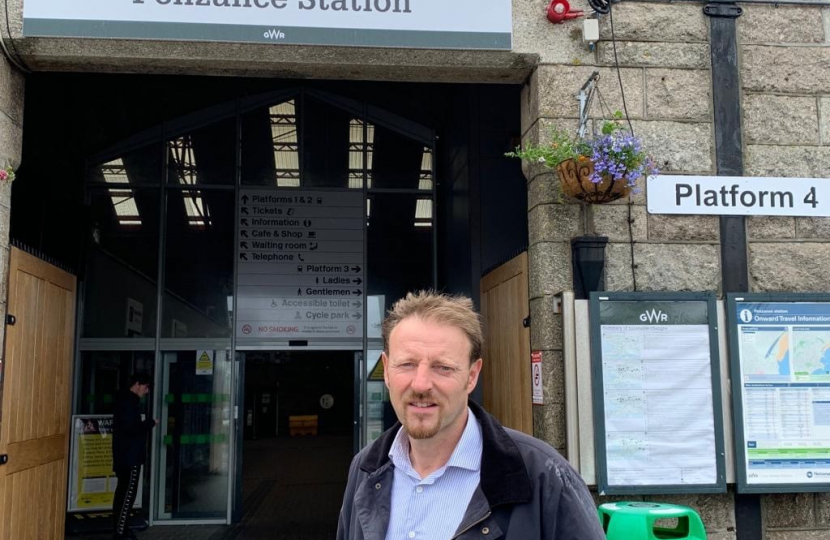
(300, 268)
(460, 24)
(738, 195)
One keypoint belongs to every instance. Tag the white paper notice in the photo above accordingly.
(659, 422)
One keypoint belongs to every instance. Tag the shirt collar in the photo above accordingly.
(466, 455)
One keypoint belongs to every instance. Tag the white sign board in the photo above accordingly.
(738, 195)
(135, 316)
(300, 269)
(425, 24)
(536, 374)
(783, 356)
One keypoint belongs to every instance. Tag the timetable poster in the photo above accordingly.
(783, 374)
(657, 388)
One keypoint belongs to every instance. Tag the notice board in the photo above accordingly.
(657, 403)
(779, 353)
(92, 481)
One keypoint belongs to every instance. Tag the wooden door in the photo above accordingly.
(506, 372)
(35, 414)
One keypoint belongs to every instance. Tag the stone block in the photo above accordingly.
(717, 511)
(555, 44)
(780, 24)
(543, 189)
(796, 267)
(798, 535)
(618, 275)
(770, 227)
(719, 535)
(677, 267)
(824, 117)
(663, 267)
(530, 102)
(559, 85)
(550, 269)
(545, 326)
(788, 510)
(11, 142)
(787, 161)
(554, 222)
(678, 94)
(683, 228)
(12, 86)
(770, 119)
(656, 22)
(786, 70)
(553, 377)
(823, 508)
(655, 54)
(549, 424)
(612, 221)
(5, 196)
(814, 228)
(678, 146)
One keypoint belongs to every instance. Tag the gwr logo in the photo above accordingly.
(274, 34)
(654, 316)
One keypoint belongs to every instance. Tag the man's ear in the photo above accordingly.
(475, 371)
(385, 360)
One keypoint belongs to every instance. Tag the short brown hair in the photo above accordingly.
(457, 311)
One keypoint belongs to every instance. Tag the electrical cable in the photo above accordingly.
(631, 129)
(15, 59)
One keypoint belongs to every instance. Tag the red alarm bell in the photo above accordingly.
(560, 10)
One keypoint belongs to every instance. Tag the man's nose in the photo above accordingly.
(423, 379)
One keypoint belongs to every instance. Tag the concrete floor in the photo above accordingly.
(292, 490)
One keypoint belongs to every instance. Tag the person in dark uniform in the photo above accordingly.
(129, 449)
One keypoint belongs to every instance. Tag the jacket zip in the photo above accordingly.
(485, 516)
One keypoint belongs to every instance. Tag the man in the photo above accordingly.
(129, 450)
(448, 470)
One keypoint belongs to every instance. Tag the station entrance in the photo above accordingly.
(241, 241)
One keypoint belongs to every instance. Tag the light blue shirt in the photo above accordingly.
(432, 508)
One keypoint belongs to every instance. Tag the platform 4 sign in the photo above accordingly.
(738, 195)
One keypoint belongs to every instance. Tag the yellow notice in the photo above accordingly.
(204, 362)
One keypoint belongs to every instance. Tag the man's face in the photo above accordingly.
(429, 376)
(140, 390)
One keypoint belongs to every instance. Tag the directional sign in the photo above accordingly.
(300, 267)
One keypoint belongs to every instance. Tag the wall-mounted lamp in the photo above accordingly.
(588, 264)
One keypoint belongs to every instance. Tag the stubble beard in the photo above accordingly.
(419, 430)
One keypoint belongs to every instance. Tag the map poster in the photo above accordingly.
(92, 482)
(781, 386)
(656, 393)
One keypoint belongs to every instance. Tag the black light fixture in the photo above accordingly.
(588, 264)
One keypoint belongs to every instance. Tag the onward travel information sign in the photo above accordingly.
(781, 383)
(656, 393)
(426, 24)
(738, 195)
(300, 268)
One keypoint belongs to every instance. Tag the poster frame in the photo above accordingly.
(73, 471)
(599, 404)
(732, 300)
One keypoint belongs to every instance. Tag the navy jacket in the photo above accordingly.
(527, 492)
(129, 432)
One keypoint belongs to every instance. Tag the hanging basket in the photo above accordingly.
(575, 179)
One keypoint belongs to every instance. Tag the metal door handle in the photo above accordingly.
(4, 458)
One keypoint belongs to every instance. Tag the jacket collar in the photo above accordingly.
(504, 477)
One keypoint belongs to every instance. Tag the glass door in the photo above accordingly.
(195, 437)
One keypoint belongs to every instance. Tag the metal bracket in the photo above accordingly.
(10, 320)
(724, 10)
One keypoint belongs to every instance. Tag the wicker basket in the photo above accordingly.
(575, 179)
